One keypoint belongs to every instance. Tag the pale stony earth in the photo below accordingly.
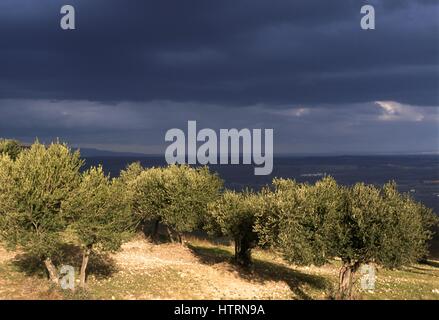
(217, 281)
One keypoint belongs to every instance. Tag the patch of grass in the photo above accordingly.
(210, 254)
(16, 285)
(159, 283)
(420, 281)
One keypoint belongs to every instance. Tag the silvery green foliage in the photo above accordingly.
(98, 213)
(292, 219)
(176, 195)
(379, 225)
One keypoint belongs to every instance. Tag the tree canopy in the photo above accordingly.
(176, 196)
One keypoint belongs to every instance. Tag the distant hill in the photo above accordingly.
(89, 152)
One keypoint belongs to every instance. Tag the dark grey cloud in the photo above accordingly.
(229, 52)
(135, 68)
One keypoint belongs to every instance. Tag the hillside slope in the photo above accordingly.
(202, 270)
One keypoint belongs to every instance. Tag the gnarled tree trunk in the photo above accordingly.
(346, 280)
(243, 251)
(51, 269)
(83, 273)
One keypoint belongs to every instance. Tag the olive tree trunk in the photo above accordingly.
(346, 280)
(174, 236)
(51, 269)
(83, 273)
(243, 252)
(170, 235)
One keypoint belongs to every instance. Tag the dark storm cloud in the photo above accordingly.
(220, 52)
(134, 69)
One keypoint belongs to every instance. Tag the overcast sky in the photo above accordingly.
(134, 69)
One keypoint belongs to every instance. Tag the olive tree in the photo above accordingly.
(100, 216)
(379, 226)
(32, 190)
(311, 224)
(176, 196)
(234, 216)
(147, 195)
